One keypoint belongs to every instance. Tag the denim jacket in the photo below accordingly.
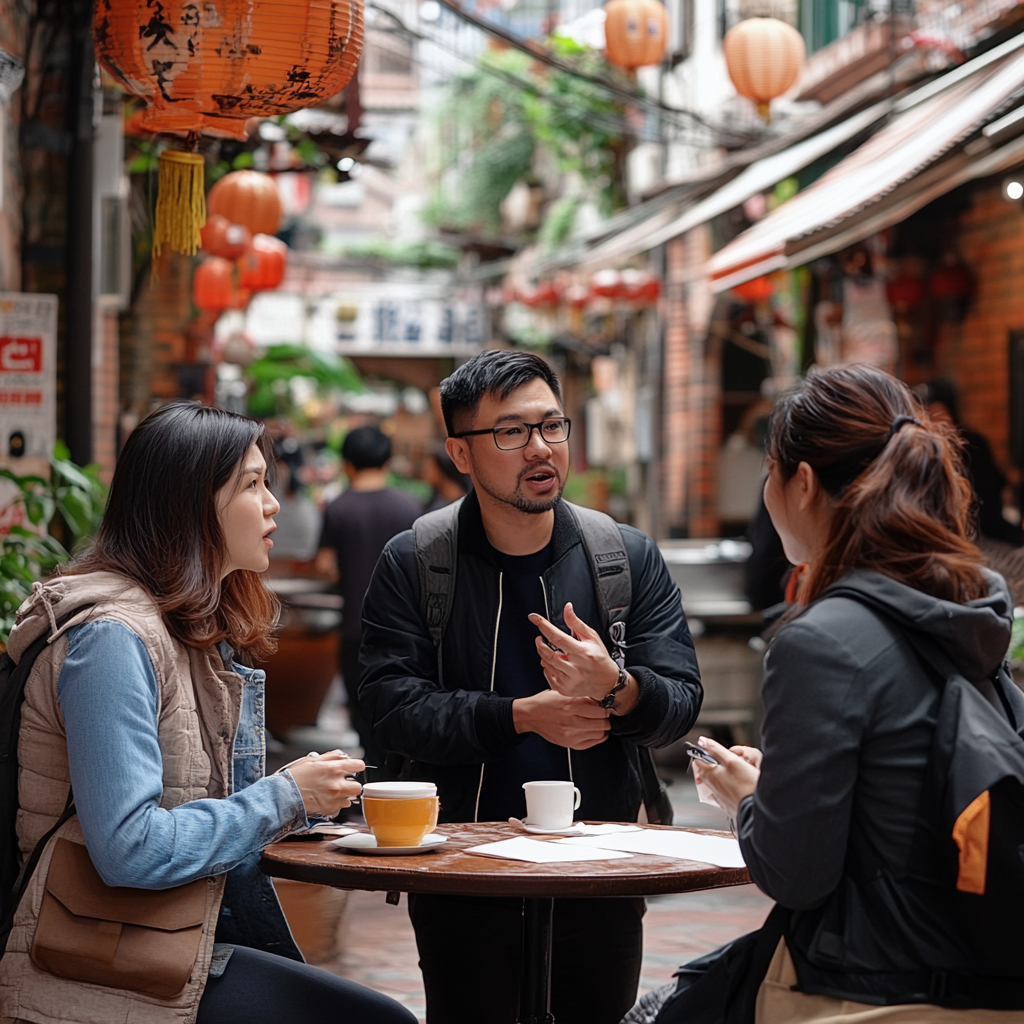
(109, 697)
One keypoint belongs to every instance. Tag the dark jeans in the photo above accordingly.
(372, 752)
(471, 949)
(262, 988)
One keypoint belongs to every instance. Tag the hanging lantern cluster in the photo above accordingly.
(637, 288)
(208, 68)
(636, 32)
(759, 289)
(243, 256)
(764, 57)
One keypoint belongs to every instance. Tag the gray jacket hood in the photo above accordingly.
(975, 636)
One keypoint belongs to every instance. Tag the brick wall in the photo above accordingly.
(13, 30)
(691, 401)
(974, 353)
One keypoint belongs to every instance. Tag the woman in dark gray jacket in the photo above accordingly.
(868, 495)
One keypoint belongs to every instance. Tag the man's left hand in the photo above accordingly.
(582, 666)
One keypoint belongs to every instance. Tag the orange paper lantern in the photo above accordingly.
(635, 32)
(759, 289)
(764, 57)
(207, 67)
(222, 238)
(248, 198)
(214, 288)
(262, 268)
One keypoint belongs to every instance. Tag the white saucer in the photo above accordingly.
(366, 843)
(572, 830)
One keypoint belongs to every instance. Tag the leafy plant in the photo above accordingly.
(71, 503)
(274, 371)
(425, 255)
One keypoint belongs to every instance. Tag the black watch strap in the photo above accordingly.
(620, 685)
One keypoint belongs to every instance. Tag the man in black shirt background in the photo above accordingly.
(495, 707)
(356, 526)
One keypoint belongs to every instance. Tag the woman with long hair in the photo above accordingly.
(147, 904)
(869, 494)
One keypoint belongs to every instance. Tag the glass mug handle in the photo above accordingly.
(576, 805)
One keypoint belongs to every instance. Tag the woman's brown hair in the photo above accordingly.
(161, 527)
(902, 502)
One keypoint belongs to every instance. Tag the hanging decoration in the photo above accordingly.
(952, 286)
(214, 287)
(764, 57)
(181, 203)
(635, 32)
(905, 292)
(640, 287)
(207, 67)
(607, 284)
(222, 238)
(262, 268)
(757, 290)
(248, 198)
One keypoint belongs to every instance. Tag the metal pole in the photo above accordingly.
(78, 308)
(535, 981)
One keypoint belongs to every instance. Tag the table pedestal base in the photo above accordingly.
(535, 983)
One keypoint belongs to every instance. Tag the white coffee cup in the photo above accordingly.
(551, 804)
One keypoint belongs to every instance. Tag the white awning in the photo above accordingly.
(895, 172)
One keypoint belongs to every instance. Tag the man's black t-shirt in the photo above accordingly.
(357, 525)
(518, 673)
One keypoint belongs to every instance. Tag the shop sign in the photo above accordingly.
(28, 376)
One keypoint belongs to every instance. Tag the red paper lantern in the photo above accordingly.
(635, 32)
(214, 288)
(764, 57)
(222, 238)
(905, 292)
(577, 296)
(952, 281)
(758, 290)
(208, 67)
(607, 284)
(248, 198)
(262, 268)
(547, 294)
(640, 287)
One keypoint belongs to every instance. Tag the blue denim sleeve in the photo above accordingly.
(109, 697)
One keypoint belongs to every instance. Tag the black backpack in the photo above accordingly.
(14, 875)
(436, 542)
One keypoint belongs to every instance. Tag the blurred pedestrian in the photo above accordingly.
(444, 478)
(298, 521)
(140, 724)
(356, 526)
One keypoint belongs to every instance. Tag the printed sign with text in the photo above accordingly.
(28, 376)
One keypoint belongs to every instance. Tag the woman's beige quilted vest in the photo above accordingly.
(195, 742)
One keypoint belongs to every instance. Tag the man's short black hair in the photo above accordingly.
(366, 448)
(496, 372)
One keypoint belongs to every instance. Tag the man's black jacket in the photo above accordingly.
(448, 731)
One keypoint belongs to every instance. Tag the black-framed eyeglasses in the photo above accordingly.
(516, 434)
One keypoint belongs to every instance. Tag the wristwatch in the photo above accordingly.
(609, 701)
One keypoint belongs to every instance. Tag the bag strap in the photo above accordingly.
(436, 539)
(29, 867)
(609, 565)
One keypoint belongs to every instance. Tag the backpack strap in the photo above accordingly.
(436, 539)
(613, 580)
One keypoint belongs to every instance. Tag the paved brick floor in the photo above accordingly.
(379, 950)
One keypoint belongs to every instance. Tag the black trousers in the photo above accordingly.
(471, 950)
(261, 988)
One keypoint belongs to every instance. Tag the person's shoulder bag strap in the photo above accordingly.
(436, 539)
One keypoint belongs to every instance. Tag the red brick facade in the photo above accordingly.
(974, 353)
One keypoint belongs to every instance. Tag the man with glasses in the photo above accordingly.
(522, 687)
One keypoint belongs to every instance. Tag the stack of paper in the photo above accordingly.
(536, 851)
(723, 853)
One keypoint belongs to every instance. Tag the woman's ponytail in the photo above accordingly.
(902, 502)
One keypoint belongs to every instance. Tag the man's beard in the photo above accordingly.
(521, 503)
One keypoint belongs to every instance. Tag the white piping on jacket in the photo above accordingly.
(547, 614)
(494, 663)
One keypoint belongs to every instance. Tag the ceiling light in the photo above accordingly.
(1014, 190)
(346, 163)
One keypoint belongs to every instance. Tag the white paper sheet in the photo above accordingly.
(536, 851)
(723, 853)
(608, 829)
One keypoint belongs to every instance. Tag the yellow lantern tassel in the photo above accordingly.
(181, 203)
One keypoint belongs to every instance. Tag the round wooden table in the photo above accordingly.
(452, 871)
